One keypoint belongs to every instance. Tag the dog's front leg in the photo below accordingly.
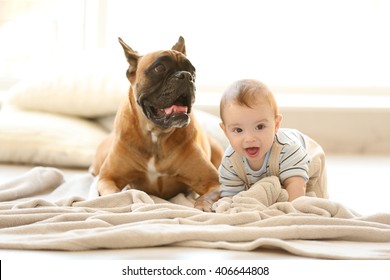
(107, 186)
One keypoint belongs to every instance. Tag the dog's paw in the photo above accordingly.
(107, 188)
(206, 201)
(204, 206)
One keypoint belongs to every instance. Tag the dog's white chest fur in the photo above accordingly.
(152, 173)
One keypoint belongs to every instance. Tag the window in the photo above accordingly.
(30, 30)
(297, 45)
(284, 43)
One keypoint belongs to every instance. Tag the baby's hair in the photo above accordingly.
(248, 92)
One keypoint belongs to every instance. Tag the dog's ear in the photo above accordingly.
(180, 46)
(131, 56)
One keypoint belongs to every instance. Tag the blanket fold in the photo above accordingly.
(39, 210)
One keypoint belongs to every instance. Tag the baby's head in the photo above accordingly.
(247, 93)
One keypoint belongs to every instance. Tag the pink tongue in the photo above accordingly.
(252, 151)
(176, 109)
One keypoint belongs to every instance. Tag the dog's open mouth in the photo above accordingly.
(175, 109)
(171, 115)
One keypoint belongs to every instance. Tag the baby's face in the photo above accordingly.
(251, 131)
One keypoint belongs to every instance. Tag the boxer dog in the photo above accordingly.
(156, 144)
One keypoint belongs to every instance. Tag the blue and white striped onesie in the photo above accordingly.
(294, 161)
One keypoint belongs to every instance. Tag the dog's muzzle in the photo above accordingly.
(171, 106)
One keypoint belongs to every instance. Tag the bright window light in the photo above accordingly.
(284, 43)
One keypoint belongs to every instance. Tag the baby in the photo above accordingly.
(251, 122)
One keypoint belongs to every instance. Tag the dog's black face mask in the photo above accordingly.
(167, 97)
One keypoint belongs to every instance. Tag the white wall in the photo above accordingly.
(302, 49)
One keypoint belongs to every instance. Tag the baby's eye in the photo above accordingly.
(260, 126)
(237, 130)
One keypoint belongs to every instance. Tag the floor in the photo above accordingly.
(360, 182)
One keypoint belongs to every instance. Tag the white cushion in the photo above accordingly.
(210, 124)
(82, 85)
(48, 139)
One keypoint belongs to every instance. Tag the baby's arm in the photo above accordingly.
(231, 188)
(230, 183)
(295, 186)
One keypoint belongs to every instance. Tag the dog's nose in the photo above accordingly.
(184, 75)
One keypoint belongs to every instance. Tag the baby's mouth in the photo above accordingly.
(252, 151)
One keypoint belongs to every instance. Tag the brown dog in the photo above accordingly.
(156, 145)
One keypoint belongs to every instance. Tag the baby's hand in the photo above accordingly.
(223, 204)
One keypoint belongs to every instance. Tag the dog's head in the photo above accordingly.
(163, 83)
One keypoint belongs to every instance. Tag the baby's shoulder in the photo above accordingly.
(227, 156)
(290, 137)
(228, 151)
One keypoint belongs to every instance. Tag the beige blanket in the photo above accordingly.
(40, 210)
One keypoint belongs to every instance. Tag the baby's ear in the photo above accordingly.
(278, 122)
(222, 126)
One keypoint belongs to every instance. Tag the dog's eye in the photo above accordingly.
(159, 68)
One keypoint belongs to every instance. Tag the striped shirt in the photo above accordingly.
(293, 161)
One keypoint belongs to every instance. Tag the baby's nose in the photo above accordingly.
(249, 137)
